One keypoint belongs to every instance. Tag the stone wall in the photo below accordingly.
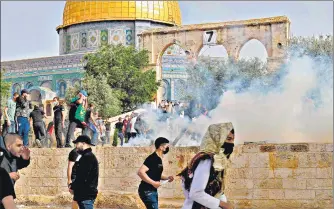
(260, 176)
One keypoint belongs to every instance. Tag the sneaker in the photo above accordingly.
(68, 145)
(39, 144)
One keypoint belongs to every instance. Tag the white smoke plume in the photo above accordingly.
(287, 113)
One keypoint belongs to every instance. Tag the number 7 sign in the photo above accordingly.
(210, 37)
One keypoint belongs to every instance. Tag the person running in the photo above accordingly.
(203, 178)
(9, 113)
(23, 106)
(151, 174)
(84, 187)
(58, 121)
(7, 193)
(36, 121)
(80, 99)
(73, 159)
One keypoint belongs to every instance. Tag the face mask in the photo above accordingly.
(228, 149)
(55, 103)
(166, 151)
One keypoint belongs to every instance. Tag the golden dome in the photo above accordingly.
(89, 11)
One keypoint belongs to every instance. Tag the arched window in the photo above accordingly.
(29, 85)
(47, 84)
(62, 88)
(17, 88)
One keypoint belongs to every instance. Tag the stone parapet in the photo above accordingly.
(259, 176)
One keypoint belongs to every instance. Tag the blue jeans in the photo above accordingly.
(23, 129)
(86, 204)
(91, 127)
(149, 198)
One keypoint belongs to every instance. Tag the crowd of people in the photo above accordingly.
(21, 117)
(201, 179)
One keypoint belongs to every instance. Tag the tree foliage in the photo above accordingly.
(100, 94)
(209, 78)
(4, 89)
(312, 45)
(123, 67)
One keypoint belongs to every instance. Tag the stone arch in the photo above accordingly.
(16, 88)
(29, 85)
(47, 84)
(61, 88)
(161, 53)
(254, 40)
(36, 96)
(205, 49)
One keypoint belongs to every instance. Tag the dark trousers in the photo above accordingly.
(8, 129)
(71, 128)
(39, 130)
(149, 198)
(58, 132)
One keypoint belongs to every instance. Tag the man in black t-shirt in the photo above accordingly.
(36, 120)
(58, 120)
(151, 174)
(7, 193)
(73, 159)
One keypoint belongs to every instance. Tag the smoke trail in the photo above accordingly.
(295, 104)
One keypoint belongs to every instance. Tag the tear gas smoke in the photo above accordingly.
(295, 104)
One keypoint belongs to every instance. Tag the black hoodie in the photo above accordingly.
(11, 163)
(87, 176)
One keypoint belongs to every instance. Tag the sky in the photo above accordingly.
(28, 28)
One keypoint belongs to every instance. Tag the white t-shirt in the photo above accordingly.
(197, 193)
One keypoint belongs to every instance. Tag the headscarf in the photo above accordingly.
(212, 143)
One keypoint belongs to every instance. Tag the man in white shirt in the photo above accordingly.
(132, 122)
(203, 179)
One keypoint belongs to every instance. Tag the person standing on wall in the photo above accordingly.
(73, 159)
(58, 121)
(203, 179)
(84, 187)
(23, 106)
(14, 157)
(151, 174)
(7, 193)
(36, 121)
(79, 100)
(9, 123)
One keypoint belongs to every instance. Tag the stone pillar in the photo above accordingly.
(159, 78)
(172, 89)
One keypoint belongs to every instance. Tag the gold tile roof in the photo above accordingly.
(89, 11)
